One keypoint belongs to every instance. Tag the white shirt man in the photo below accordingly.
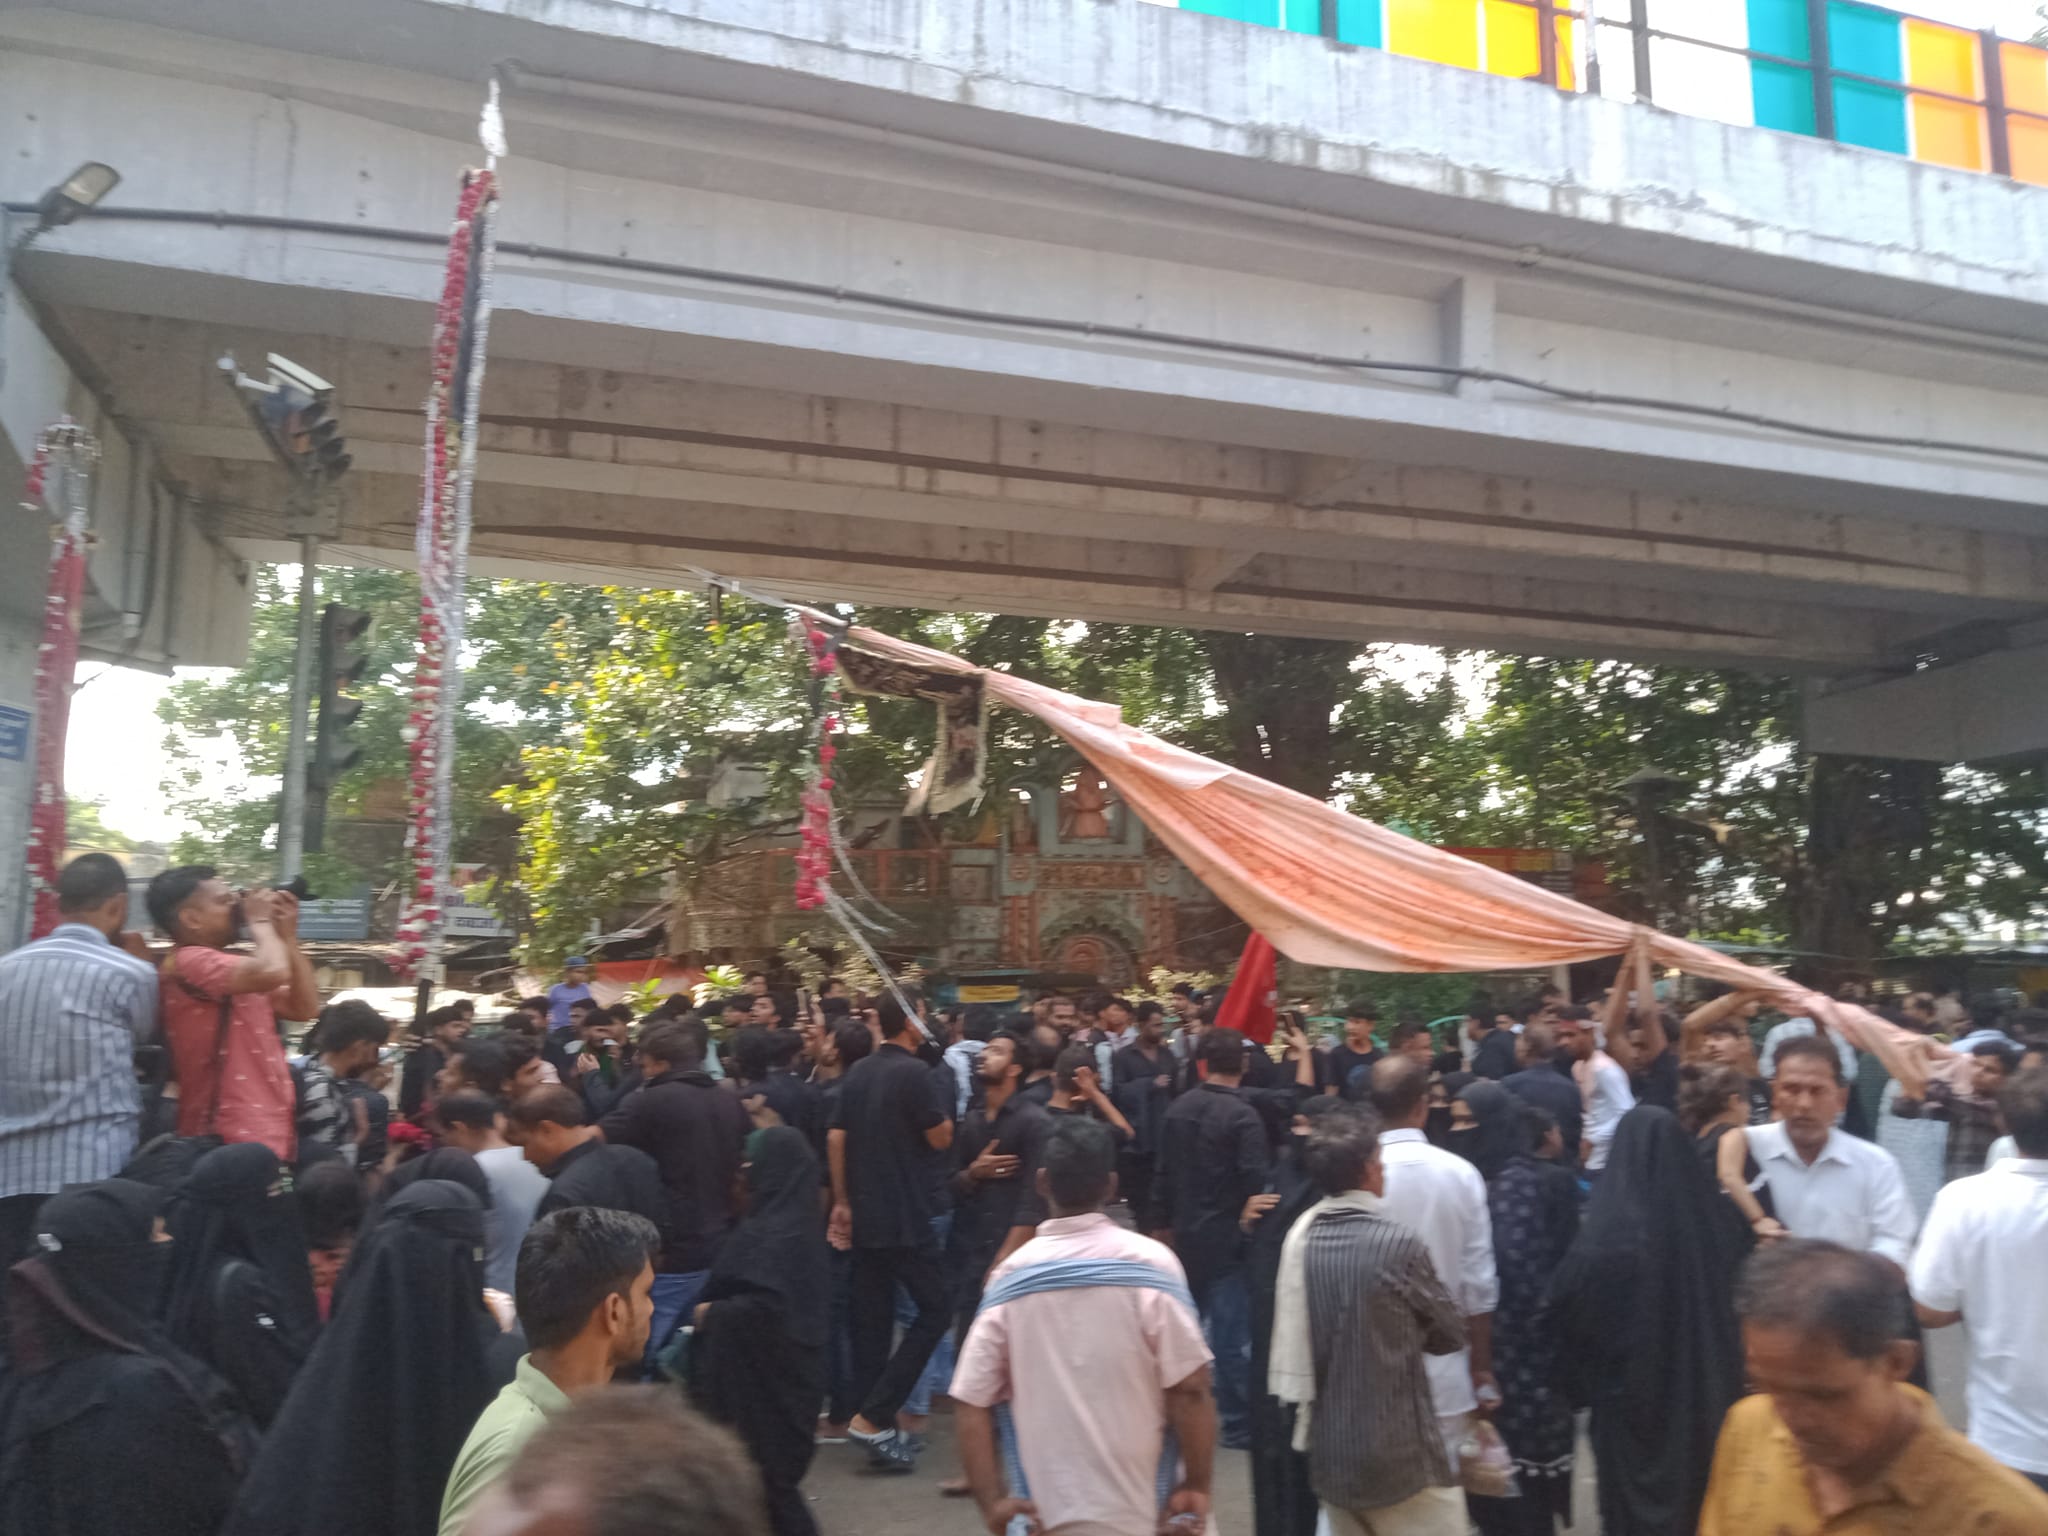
(1442, 1198)
(1793, 1029)
(1981, 1257)
(1824, 1182)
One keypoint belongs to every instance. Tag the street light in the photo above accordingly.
(83, 189)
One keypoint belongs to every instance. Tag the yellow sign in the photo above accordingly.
(989, 994)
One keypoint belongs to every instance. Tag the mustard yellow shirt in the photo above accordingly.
(1938, 1483)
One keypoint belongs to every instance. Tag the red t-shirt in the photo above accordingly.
(257, 1099)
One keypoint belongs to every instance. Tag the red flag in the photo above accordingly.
(1251, 1005)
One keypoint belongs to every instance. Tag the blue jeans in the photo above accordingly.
(938, 1371)
(675, 1297)
(1227, 1324)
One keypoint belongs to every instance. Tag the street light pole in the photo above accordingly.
(291, 816)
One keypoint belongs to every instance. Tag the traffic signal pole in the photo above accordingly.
(291, 819)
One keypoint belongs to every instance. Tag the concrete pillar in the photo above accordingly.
(19, 636)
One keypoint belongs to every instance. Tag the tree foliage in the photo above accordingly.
(596, 718)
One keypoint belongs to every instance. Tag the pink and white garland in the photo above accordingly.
(57, 480)
(461, 329)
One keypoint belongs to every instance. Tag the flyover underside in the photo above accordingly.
(708, 357)
(647, 478)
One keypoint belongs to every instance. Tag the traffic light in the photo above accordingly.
(341, 662)
(293, 407)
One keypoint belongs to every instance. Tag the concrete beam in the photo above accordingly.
(637, 434)
(1987, 708)
(1091, 577)
(1204, 570)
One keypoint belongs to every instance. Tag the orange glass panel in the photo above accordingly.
(2028, 139)
(2026, 77)
(1949, 133)
(1511, 38)
(1444, 30)
(1949, 60)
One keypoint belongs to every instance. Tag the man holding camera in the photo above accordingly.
(220, 1010)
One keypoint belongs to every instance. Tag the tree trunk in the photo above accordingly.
(1279, 698)
(1868, 825)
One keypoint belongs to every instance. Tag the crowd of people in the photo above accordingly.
(250, 1291)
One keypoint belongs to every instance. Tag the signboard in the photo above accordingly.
(468, 915)
(340, 918)
(16, 729)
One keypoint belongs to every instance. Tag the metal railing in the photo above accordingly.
(1997, 121)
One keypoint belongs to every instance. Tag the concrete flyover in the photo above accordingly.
(1084, 308)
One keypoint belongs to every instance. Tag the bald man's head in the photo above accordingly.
(1400, 1092)
(626, 1461)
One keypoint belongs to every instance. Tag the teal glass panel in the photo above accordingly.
(1302, 15)
(1779, 27)
(1361, 22)
(1782, 95)
(1866, 42)
(1871, 115)
(1863, 41)
(1260, 13)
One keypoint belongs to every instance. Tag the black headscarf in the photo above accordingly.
(1436, 1124)
(237, 1207)
(1498, 1132)
(1645, 1302)
(779, 1247)
(451, 1164)
(358, 1450)
(86, 1357)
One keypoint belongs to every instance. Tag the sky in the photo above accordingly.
(115, 752)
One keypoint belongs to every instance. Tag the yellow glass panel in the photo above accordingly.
(1567, 55)
(1511, 39)
(1942, 59)
(2028, 139)
(1949, 133)
(2026, 77)
(1444, 30)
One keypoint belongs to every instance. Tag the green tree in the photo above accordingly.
(241, 716)
(86, 830)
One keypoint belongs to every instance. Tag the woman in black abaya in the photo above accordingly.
(757, 1358)
(1645, 1308)
(1534, 1206)
(241, 1291)
(365, 1440)
(105, 1425)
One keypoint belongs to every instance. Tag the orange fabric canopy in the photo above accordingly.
(1328, 888)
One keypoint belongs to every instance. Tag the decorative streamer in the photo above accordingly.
(58, 481)
(441, 543)
(814, 858)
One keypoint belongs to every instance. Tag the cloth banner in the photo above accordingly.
(1330, 889)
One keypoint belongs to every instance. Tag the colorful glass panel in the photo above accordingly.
(1948, 60)
(1446, 31)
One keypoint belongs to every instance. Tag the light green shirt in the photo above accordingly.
(501, 1429)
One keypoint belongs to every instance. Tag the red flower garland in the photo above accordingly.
(56, 660)
(440, 547)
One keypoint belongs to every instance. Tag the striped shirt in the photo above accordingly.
(1375, 1307)
(73, 1009)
